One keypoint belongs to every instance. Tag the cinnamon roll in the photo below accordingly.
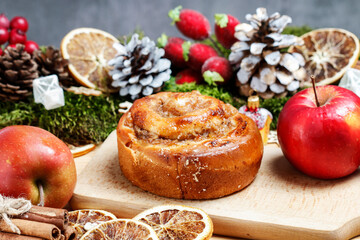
(188, 146)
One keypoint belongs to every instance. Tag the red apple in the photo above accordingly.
(32, 157)
(322, 141)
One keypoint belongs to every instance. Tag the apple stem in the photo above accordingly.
(313, 84)
(41, 190)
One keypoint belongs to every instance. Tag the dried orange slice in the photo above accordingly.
(328, 54)
(84, 220)
(81, 150)
(121, 229)
(88, 51)
(178, 222)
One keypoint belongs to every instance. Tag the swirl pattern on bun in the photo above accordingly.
(188, 146)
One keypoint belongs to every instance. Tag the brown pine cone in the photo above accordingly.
(18, 69)
(50, 62)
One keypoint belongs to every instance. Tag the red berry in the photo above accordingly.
(31, 46)
(174, 52)
(188, 76)
(191, 23)
(17, 36)
(1, 51)
(19, 23)
(198, 53)
(4, 21)
(225, 29)
(218, 65)
(4, 35)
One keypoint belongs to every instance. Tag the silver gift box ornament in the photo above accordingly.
(351, 80)
(48, 92)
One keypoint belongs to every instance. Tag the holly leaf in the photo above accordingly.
(221, 19)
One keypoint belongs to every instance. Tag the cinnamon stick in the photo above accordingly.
(51, 212)
(14, 236)
(70, 233)
(57, 217)
(39, 218)
(31, 228)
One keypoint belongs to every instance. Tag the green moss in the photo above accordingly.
(274, 105)
(21, 113)
(205, 89)
(83, 119)
(297, 30)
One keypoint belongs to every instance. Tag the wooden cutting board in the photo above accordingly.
(281, 203)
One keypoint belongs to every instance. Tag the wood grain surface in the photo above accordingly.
(281, 203)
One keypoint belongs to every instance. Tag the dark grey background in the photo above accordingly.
(50, 20)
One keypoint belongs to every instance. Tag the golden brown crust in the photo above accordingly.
(186, 145)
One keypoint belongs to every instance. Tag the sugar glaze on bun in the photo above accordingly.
(188, 146)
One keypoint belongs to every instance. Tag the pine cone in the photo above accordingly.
(261, 64)
(51, 62)
(139, 69)
(18, 69)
